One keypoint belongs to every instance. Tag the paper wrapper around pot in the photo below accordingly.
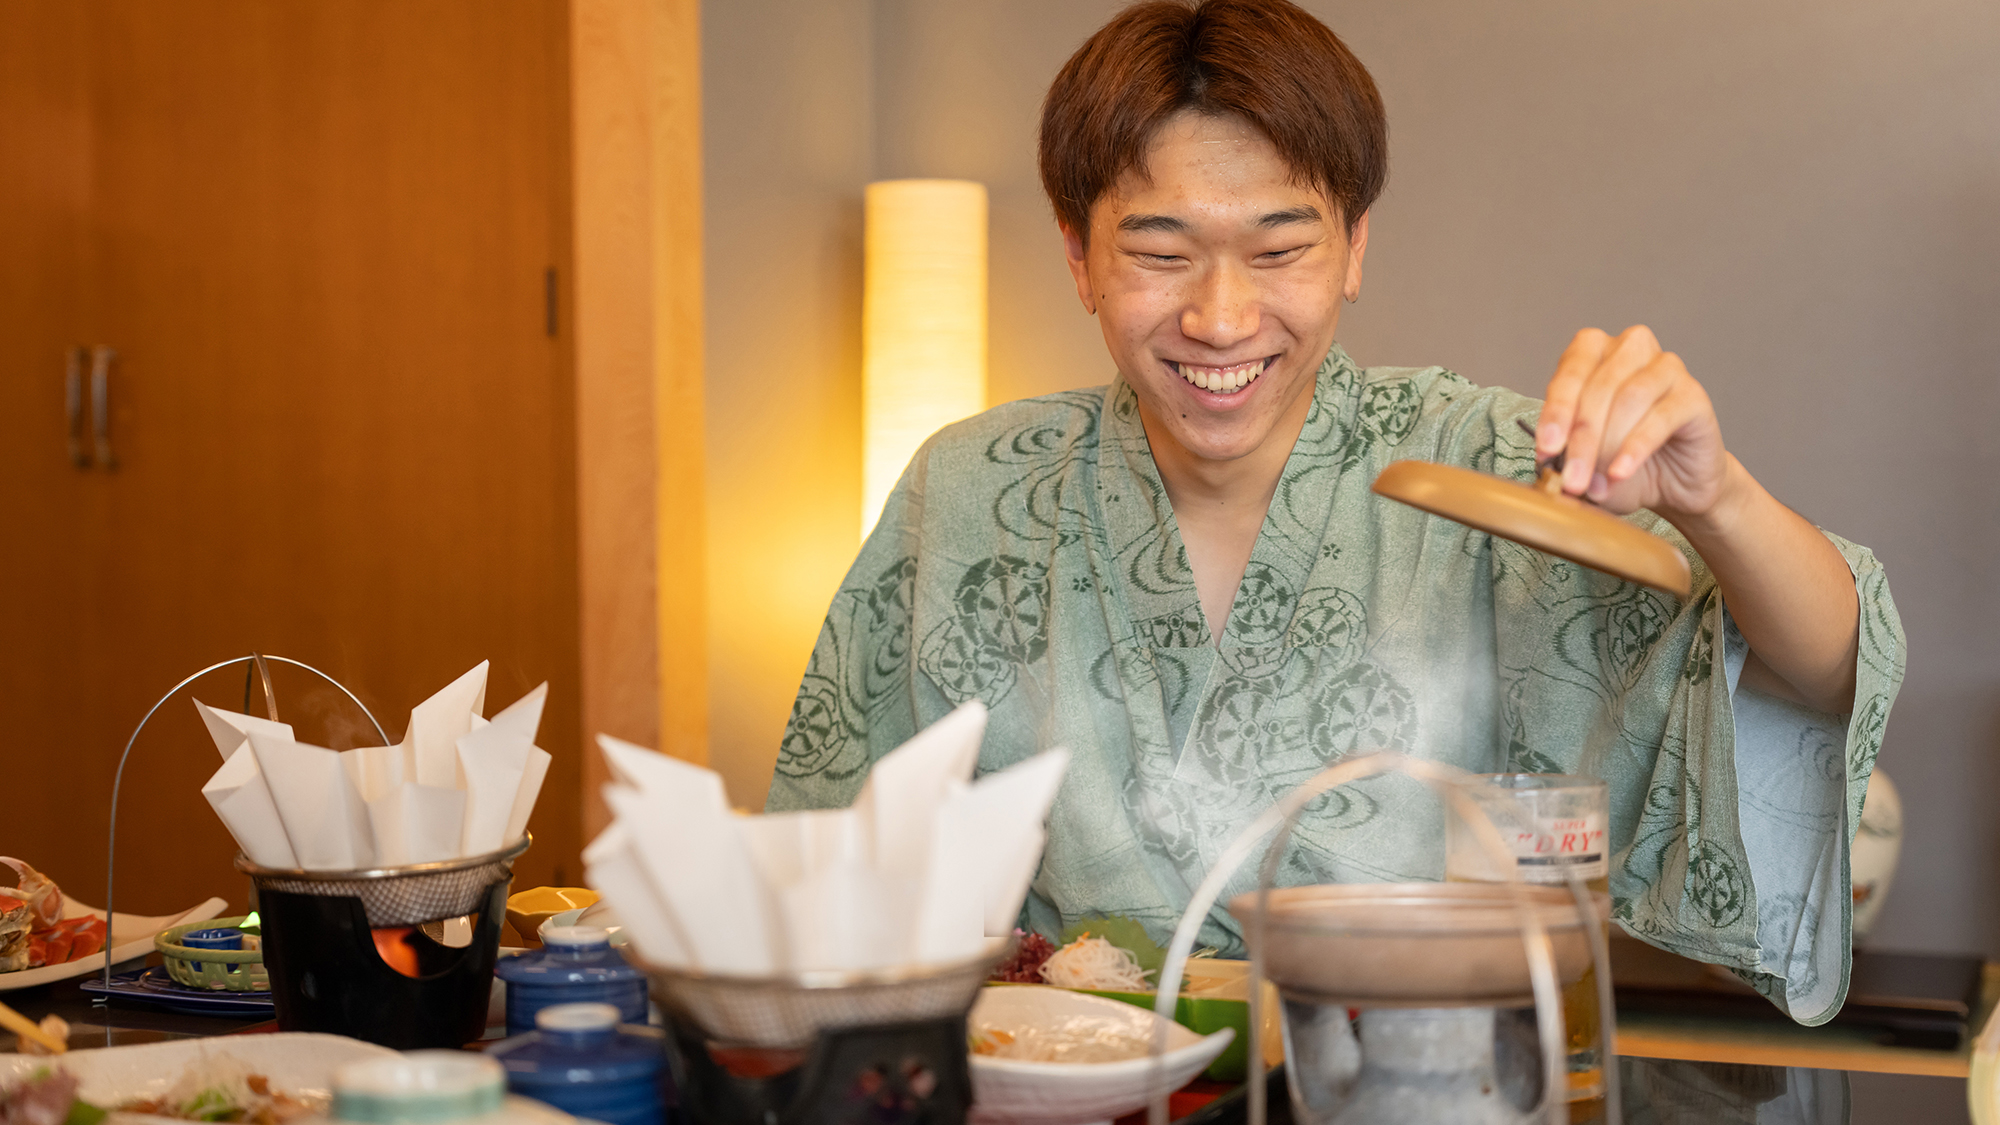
(457, 785)
(1411, 944)
(792, 1010)
(927, 866)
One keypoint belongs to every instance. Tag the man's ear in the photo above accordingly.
(1079, 267)
(1357, 245)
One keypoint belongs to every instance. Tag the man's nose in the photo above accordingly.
(1222, 310)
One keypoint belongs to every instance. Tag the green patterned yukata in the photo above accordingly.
(1029, 557)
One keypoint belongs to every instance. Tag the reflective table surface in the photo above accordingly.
(1669, 1092)
(1656, 1091)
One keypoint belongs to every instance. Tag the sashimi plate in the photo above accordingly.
(131, 936)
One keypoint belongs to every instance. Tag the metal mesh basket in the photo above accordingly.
(400, 896)
(792, 1010)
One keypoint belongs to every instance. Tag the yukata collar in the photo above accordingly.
(1158, 585)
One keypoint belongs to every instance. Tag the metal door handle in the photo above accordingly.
(73, 404)
(100, 403)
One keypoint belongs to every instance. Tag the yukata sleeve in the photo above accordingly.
(1731, 812)
(1799, 768)
(855, 702)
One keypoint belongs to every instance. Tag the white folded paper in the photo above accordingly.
(924, 868)
(237, 791)
(456, 785)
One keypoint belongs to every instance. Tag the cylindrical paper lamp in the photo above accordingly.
(923, 323)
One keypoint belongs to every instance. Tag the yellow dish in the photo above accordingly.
(527, 910)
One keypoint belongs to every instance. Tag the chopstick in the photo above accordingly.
(29, 1029)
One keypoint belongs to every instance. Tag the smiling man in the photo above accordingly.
(1184, 578)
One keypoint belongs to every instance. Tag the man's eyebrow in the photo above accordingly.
(1303, 213)
(1168, 224)
(1161, 224)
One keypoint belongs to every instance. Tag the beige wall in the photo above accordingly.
(788, 128)
(1804, 200)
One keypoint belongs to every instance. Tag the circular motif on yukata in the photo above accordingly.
(1005, 602)
(963, 668)
(816, 734)
(1701, 656)
(1777, 931)
(1823, 754)
(1389, 410)
(1521, 759)
(1157, 565)
(1051, 433)
(1631, 626)
(1867, 740)
(1881, 635)
(1263, 606)
(1345, 807)
(1245, 730)
(1183, 628)
(1363, 710)
(1334, 620)
(1122, 668)
(889, 610)
(1718, 885)
(1166, 825)
(1255, 663)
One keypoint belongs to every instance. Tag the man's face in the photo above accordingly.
(1218, 285)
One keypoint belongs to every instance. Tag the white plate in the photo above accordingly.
(131, 936)
(1040, 1093)
(598, 915)
(300, 1064)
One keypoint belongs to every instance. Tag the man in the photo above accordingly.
(1184, 578)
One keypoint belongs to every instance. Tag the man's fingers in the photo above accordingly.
(1639, 395)
(1630, 353)
(1578, 360)
(1683, 404)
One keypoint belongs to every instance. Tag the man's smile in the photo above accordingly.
(1222, 380)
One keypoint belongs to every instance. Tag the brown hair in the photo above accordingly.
(1266, 61)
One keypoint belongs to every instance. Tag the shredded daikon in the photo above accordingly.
(1092, 962)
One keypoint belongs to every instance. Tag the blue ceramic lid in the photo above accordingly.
(569, 955)
(579, 1043)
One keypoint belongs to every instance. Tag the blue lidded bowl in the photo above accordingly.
(580, 1060)
(576, 965)
(219, 938)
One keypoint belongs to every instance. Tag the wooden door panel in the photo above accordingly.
(321, 237)
(44, 187)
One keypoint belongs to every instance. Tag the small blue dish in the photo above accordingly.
(225, 938)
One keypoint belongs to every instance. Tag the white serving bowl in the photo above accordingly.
(1045, 1093)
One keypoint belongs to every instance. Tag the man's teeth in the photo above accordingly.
(1222, 380)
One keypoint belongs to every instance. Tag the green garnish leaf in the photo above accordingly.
(83, 1113)
(1125, 933)
(212, 1104)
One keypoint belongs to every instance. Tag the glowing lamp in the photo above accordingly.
(923, 323)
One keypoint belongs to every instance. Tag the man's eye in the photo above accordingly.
(1280, 255)
(1160, 259)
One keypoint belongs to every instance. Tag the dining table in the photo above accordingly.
(1655, 1091)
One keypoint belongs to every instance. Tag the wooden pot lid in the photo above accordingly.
(1542, 517)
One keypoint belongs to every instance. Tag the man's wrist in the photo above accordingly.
(1734, 502)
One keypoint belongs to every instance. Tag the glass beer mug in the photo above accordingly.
(1557, 827)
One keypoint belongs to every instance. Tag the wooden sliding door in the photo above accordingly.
(329, 243)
